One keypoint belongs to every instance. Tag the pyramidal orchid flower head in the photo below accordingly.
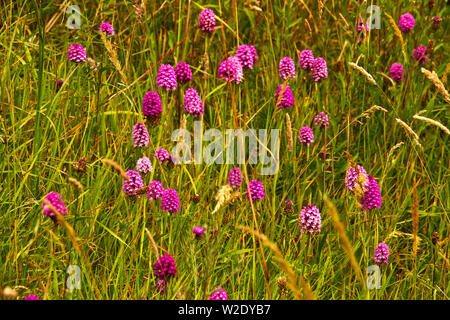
(360, 27)
(321, 119)
(406, 22)
(356, 176)
(372, 196)
(286, 68)
(130, 186)
(198, 231)
(162, 155)
(144, 165)
(306, 60)
(231, 70)
(234, 178)
(287, 98)
(247, 56)
(256, 190)
(420, 55)
(310, 219)
(183, 72)
(306, 135)
(31, 297)
(218, 294)
(140, 135)
(165, 267)
(76, 53)
(207, 21)
(319, 69)
(192, 103)
(107, 29)
(170, 201)
(166, 77)
(155, 190)
(54, 198)
(381, 255)
(151, 105)
(396, 72)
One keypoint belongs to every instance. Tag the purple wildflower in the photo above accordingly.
(155, 190)
(306, 135)
(306, 59)
(165, 267)
(162, 155)
(144, 165)
(381, 255)
(218, 294)
(161, 286)
(198, 231)
(59, 84)
(231, 70)
(319, 69)
(140, 135)
(420, 55)
(192, 103)
(76, 53)
(151, 105)
(130, 187)
(107, 29)
(247, 55)
(234, 178)
(286, 68)
(406, 22)
(396, 72)
(170, 201)
(256, 190)
(31, 297)
(207, 21)
(56, 201)
(372, 196)
(360, 26)
(287, 98)
(310, 219)
(352, 175)
(321, 119)
(183, 72)
(436, 23)
(166, 77)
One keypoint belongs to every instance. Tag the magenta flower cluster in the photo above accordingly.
(321, 119)
(247, 55)
(155, 190)
(192, 103)
(352, 175)
(76, 53)
(183, 72)
(31, 297)
(287, 98)
(372, 196)
(319, 70)
(286, 69)
(135, 182)
(396, 72)
(306, 60)
(170, 201)
(166, 77)
(207, 21)
(256, 190)
(420, 55)
(165, 267)
(306, 135)
(140, 135)
(151, 105)
(162, 155)
(406, 22)
(107, 29)
(198, 231)
(381, 255)
(231, 70)
(310, 219)
(218, 294)
(234, 178)
(54, 198)
(144, 165)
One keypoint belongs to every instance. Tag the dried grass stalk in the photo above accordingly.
(289, 133)
(76, 183)
(433, 122)
(415, 219)
(410, 131)
(432, 75)
(398, 33)
(363, 72)
(117, 167)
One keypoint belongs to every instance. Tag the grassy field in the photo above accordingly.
(258, 250)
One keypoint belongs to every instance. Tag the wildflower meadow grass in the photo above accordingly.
(95, 205)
